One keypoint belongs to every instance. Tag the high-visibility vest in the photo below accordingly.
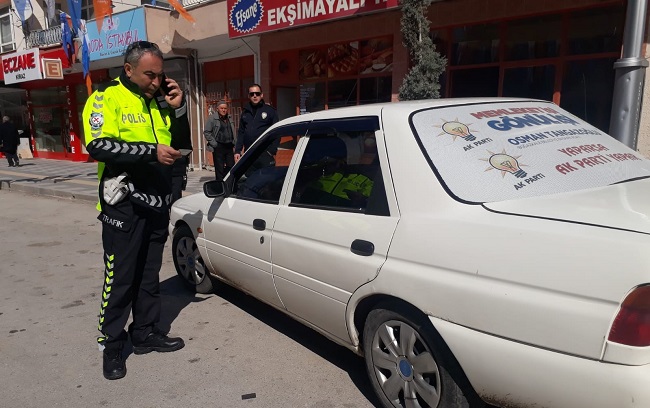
(337, 184)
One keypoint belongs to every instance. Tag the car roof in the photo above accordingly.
(407, 106)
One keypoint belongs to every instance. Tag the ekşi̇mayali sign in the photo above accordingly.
(246, 17)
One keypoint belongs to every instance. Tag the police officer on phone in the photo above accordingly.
(129, 127)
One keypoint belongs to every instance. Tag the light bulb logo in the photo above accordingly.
(457, 129)
(505, 163)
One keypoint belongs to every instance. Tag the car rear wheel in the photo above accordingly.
(409, 365)
(188, 262)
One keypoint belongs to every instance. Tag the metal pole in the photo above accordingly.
(630, 77)
(198, 87)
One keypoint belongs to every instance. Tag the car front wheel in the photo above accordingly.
(188, 262)
(409, 365)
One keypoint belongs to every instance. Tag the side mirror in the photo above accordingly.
(214, 188)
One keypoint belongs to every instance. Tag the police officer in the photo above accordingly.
(128, 127)
(256, 117)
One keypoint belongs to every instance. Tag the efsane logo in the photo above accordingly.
(245, 15)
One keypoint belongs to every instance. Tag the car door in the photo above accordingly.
(334, 234)
(238, 227)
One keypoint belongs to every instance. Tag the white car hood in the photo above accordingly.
(623, 206)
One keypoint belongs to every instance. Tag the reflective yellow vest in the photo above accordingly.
(337, 184)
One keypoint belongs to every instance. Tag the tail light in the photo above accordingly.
(632, 324)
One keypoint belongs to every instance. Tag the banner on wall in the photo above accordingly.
(116, 34)
(247, 17)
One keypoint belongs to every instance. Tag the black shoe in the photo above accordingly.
(158, 342)
(114, 367)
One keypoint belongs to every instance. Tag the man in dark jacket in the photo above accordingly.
(220, 134)
(10, 139)
(256, 117)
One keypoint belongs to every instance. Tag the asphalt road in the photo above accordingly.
(238, 353)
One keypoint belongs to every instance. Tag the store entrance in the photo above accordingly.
(51, 135)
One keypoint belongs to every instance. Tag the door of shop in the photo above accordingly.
(51, 136)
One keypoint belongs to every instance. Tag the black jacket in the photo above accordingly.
(253, 122)
(10, 139)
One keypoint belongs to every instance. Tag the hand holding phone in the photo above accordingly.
(164, 86)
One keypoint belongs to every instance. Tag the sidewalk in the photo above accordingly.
(73, 180)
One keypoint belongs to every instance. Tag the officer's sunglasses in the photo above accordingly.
(254, 93)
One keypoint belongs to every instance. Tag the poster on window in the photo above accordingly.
(313, 63)
(334, 61)
(376, 55)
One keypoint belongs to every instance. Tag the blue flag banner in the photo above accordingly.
(74, 7)
(85, 56)
(66, 36)
(21, 7)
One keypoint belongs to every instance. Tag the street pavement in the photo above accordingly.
(238, 351)
(73, 180)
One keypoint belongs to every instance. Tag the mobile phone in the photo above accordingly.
(164, 86)
(185, 152)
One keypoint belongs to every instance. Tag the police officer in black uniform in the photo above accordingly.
(256, 117)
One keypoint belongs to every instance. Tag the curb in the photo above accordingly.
(44, 191)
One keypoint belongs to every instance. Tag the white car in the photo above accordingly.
(473, 251)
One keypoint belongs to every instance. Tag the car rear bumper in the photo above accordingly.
(507, 373)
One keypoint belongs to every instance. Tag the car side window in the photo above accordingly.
(262, 174)
(341, 171)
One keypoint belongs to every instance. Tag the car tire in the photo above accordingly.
(415, 363)
(188, 262)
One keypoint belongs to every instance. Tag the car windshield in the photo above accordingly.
(509, 150)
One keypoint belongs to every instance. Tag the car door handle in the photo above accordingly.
(361, 247)
(259, 224)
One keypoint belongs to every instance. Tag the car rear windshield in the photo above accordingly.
(503, 151)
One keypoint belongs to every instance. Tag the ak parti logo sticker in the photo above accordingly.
(505, 163)
(456, 129)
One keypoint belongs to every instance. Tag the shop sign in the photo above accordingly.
(118, 31)
(21, 66)
(52, 68)
(246, 17)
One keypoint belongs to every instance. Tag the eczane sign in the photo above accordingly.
(22, 66)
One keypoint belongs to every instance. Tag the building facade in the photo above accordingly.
(313, 55)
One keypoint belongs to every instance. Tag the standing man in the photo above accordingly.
(128, 126)
(9, 141)
(256, 117)
(220, 134)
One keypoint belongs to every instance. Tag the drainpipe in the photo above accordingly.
(630, 77)
(198, 87)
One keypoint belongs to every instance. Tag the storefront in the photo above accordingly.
(547, 50)
(48, 104)
(342, 54)
(44, 102)
(565, 55)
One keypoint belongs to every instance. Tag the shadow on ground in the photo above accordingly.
(176, 296)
